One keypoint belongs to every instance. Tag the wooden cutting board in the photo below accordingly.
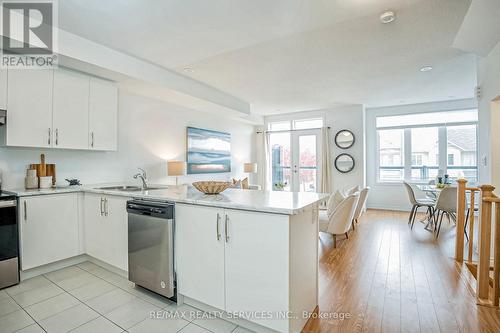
(43, 169)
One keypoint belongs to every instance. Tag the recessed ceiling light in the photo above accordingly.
(188, 70)
(426, 69)
(388, 17)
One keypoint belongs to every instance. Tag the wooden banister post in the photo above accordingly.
(496, 254)
(483, 267)
(472, 216)
(459, 242)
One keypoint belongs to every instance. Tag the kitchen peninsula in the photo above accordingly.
(251, 254)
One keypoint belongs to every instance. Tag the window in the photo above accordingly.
(410, 146)
(419, 119)
(298, 124)
(391, 156)
(461, 145)
(424, 152)
(451, 159)
(279, 126)
(307, 123)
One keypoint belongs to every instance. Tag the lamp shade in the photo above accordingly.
(250, 167)
(176, 168)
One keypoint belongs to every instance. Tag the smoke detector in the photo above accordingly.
(388, 17)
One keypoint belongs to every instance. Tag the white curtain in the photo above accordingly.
(263, 160)
(326, 174)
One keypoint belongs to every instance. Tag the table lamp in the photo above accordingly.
(250, 167)
(176, 168)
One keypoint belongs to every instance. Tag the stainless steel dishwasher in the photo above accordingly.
(151, 230)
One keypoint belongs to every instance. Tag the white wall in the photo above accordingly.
(489, 81)
(150, 132)
(339, 118)
(393, 195)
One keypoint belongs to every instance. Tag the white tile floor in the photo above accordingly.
(88, 298)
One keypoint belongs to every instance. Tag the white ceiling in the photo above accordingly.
(291, 55)
(480, 31)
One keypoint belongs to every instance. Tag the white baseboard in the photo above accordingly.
(27, 274)
(240, 322)
(108, 267)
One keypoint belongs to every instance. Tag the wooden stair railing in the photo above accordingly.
(461, 208)
(488, 202)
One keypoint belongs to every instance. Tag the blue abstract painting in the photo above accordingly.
(208, 151)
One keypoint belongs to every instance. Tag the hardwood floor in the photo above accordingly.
(388, 278)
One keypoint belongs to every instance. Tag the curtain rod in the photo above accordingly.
(295, 130)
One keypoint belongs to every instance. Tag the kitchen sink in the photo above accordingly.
(126, 188)
(121, 188)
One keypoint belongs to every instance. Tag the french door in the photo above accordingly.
(295, 160)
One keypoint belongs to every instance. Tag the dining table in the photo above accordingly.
(432, 191)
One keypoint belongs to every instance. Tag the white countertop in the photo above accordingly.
(289, 203)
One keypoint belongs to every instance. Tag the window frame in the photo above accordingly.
(291, 123)
(443, 148)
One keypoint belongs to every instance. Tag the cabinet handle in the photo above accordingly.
(25, 211)
(57, 136)
(102, 209)
(218, 231)
(225, 228)
(92, 139)
(50, 134)
(105, 206)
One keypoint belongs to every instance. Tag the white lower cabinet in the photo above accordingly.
(200, 253)
(233, 260)
(106, 231)
(48, 229)
(257, 266)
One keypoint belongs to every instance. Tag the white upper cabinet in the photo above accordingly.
(70, 110)
(29, 108)
(3, 89)
(59, 109)
(103, 115)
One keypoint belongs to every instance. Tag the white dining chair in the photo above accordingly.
(363, 195)
(417, 203)
(341, 220)
(446, 204)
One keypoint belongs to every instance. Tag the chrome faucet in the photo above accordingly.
(144, 177)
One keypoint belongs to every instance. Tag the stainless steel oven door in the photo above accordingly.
(9, 244)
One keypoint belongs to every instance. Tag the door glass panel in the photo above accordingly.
(307, 163)
(280, 161)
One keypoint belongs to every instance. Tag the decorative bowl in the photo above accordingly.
(211, 187)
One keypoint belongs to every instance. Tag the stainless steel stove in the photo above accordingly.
(9, 240)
